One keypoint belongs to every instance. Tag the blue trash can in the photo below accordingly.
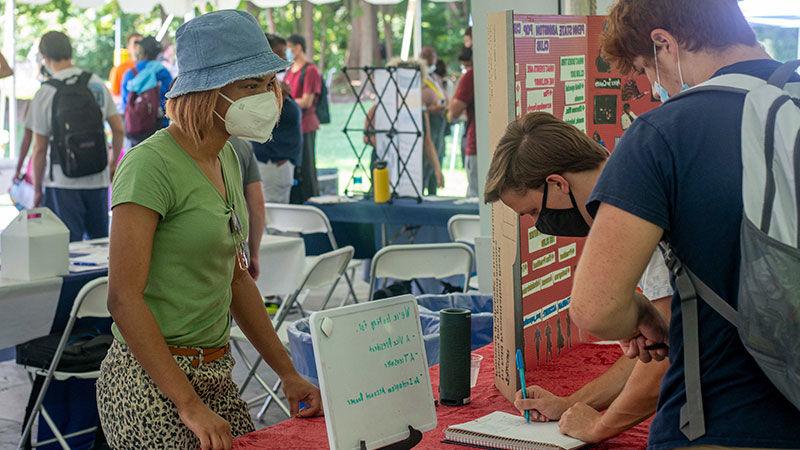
(482, 321)
(302, 350)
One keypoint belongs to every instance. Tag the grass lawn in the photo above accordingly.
(333, 150)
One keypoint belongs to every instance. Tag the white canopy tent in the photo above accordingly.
(777, 13)
(177, 8)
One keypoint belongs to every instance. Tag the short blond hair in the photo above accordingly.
(193, 113)
(534, 147)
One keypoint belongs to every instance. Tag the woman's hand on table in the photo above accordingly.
(542, 404)
(297, 390)
(583, 422)
(213, 431)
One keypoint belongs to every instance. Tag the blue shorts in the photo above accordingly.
(83, 211)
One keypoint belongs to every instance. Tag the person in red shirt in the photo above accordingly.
(464, 102)
(305, 85)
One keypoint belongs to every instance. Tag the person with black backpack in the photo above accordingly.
(700, 175)
(66, 116)
(309, 91)
(144, 92)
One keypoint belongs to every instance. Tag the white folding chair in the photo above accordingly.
(323, 270)
(90, 302)
(464, 228)
(306, 219)
(407, 262)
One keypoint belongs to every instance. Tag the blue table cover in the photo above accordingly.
(359, 223)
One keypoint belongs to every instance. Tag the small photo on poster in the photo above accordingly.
(602, 65)
(605, 109)
(599, 139)
(628, 116)
(631, 91)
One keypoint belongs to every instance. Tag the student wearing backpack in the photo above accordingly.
(306, 86)
(677, 175)
(144, 91)
(72, 165)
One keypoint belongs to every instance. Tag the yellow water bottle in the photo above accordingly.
(380, 182)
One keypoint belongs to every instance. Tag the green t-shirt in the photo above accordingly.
(191, 268)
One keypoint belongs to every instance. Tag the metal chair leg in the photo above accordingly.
(329, 294)
(268, 401)
(66, 436)
(53, 428)
(252, 373)
(270, 392)
(350, 287)
(37, 406)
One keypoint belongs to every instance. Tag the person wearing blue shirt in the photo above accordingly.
(278, 157)
(677, 175)
(146, 73)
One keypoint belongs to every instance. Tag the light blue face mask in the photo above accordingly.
(289, 54)
(658, 89)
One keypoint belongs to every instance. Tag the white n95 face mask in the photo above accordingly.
(252, 118)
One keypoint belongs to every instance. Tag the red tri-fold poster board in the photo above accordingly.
(555, 67)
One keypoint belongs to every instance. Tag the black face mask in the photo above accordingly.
(562, 222)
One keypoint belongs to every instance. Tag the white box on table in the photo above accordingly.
(35, 245)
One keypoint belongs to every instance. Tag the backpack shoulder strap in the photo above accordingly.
(56, 83)
(784, 73)
(84, 78)
(734, 83)
(680, 270)
(303, 75)
(689, 287)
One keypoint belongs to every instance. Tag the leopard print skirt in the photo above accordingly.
(136, 415)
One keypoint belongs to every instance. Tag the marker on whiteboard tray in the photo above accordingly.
(521, 369)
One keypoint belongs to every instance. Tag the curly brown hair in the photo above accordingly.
(697, 25)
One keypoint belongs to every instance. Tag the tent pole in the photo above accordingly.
(10, 47)
(117, 41)
(417, 29)
(408, 30)
(164, 27)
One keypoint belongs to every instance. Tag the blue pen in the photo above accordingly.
(521, 369)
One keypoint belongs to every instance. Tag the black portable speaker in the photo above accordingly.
(454, 356)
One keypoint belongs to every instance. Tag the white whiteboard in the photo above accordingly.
(373, 372)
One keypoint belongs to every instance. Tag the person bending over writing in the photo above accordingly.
(546, 168)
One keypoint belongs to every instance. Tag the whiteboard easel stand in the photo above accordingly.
(391, 133)
(414, 438)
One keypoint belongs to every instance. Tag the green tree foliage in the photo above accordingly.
(92, 31)
(780, 43)
(443, 28)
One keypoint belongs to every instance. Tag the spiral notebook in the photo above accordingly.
(507, 431)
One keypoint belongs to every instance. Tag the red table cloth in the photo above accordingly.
(568, 373)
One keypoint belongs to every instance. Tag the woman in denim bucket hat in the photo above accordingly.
(178, 263)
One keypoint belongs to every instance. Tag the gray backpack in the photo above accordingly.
(768, 318)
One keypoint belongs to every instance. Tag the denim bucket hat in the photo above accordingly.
(221, 47)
